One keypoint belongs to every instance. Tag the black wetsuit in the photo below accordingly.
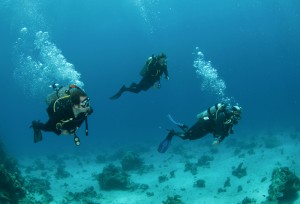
(153, 74)
(62, 118)
(219, 126)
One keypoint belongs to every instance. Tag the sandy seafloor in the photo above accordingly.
(259, 156)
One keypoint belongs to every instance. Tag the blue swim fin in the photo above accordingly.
(163, 146)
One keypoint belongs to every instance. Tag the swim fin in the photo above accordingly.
(120, 92)
(38, 136)
(163, 146)
(37, 133)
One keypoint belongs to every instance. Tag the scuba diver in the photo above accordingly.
(218, 120)
(152, 71)
(68, 108)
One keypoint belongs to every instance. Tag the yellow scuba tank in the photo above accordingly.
(210, 112)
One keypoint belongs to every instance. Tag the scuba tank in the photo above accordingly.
(210, 112)
(145, 67)
(58, 92)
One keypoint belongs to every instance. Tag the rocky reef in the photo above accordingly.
(11, 181)
(113, 178)
(14, 188)
(131, 161)
(176, 199)
(87, 196)
(284, 186)
(239, 171)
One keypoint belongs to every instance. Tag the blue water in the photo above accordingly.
(253, 46)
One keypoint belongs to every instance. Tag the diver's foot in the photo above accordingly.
(120, 92)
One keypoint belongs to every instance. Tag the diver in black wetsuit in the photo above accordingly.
(66, 114)
(151, 73)
(218, 120)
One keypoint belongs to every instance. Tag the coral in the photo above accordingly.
(173, 200)
(11, 181)
(61, 173)
(163, 178)
(192, 167)
(37, 185)
(221, 190)
(143, 187)
(200, 183)
(11, 186)
(284, 185)
(227, 183)
(263, 179)
(150, 194)
(240, 171)
(248, 201)
(113, 177)
(87, 196)
(131, 161)
(205, 160)
(172, 174)
(15, 189)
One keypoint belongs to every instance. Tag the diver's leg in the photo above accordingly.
(143, 85)
(119, 93)
(199, 129)
(183, 127)
(47, 127)
(134, 88)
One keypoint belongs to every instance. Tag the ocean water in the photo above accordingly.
(244, 52)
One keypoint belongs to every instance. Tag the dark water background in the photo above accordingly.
(254, 45)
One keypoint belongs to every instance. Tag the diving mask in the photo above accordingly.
(85, 103)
